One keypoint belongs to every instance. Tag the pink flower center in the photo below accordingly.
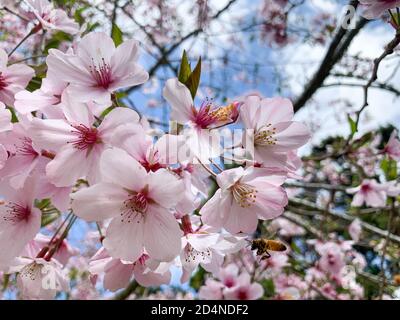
(25, 148)
(3, 82)
(31, 271)
(101, 73)
(193, 255)
(86, 137)
(244, 194)
(16, 213)
(365, 188)
(134, 205)
(208, 115)
(265, 136)
(143, 258)
(242, 294)
(229, 282)
(151, 162)
(203, 118)
(331, 259)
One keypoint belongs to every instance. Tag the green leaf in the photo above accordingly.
(56, 39)
(116, 35)
(49, 218)
(362, 141)
(389, 167)
(269, 287)
(197, 279)
(14, 118)
(353, 125)
(78, 15)
(34, 84)
(184, 70)
(193, 81)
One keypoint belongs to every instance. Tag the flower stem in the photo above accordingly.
(33, 31)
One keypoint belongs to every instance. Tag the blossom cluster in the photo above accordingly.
(69, 147)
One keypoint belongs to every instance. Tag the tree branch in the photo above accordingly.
(339, 45)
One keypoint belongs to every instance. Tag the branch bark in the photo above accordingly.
(338, 47)
(346, 217)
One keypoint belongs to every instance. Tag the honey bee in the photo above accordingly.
(396, 279)
(263, 245)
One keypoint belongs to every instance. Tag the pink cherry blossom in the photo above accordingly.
(369, 192)
(244, 290)
(202, 142)
(118, 273)
(138, 202)
(5, 118)
(44, 99)
(78, 143)
(152, 156)
(355, 229)
(285, 228)
(375, 8)
(3, 156)
(332, 257)
(212, 290)
(275, 263)
(39, 278)
(271, 130)
(244, 197)
(64, 252)
(19, 219)
(97, 69)
(392, 188)
(23, 158)
(207, 248)
(50, 18)
(13, 78)
(392, 149)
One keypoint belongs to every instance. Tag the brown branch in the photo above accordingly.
(389, 49)
(294, 218)
(163, 60)
(315, 185)
(344, 216)
(382, 86)
(337, 48)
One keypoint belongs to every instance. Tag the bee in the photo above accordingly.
(263, 245)
(396, 279)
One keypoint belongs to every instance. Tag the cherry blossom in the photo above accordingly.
(375, 8)
(118, 273)
(207, 248)
(39, 278)
(5, 118)
(392, 149)
(232, 286)
(78, 143)
(138, 202)
(44, 99)
(355, 229)
(19, 219)
(200, 139)
(369, 192)
(244, 290)
(332, 257)
(50, 18)
(13, 78)
(244, 197)
(271, 129)
(97, 69)
(23, 158)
